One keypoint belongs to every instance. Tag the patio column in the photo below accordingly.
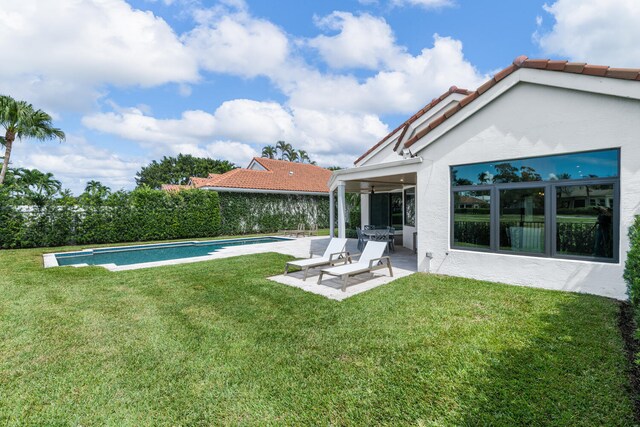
(342, 232)
(332, 214)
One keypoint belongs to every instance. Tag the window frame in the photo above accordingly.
(550, 209)
(404, 206)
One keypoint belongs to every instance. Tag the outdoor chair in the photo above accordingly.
(362, 239)
(368, 227)
(381, 235)
(313, 230)
(333, 254)
(300, 231)
(392, 236)
(370, 260)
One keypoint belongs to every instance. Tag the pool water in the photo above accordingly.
(157, 252)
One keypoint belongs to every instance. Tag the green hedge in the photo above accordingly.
(632, 268)
(146, 214)
(245, 213)
(142, 214)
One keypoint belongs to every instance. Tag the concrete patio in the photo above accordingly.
(403, 261)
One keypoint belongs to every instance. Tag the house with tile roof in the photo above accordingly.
(269, 176)
(550, 153)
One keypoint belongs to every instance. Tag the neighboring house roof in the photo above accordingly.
(467, 200)
(174, 187)
(278, 175)
(539, 64)
(405, 125)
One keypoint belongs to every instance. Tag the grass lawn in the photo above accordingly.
(216, 343)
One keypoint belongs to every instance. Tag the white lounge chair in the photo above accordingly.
(334, 254)
(370, 260)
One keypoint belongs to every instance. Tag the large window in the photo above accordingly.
(557, 206)
(410, 207)
(584, 220)
(471, 227)
(522, 220)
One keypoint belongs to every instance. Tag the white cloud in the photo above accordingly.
(253, 121)
(159, 135)
(75, 161)
(59, 54)
(235, 152)
(362, 41)
(594, 31)
(238, 129)
(412, 82)
(231, 41)
(427, 4)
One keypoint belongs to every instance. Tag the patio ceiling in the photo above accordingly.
(380, 183)
(382, 177)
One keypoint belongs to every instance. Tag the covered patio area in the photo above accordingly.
(388, 198)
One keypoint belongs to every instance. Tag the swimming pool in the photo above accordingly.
(150, 255)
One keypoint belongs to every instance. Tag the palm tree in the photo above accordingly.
(291, 154)
(269, 152)
(20, 120)
(283, 148)
(303, 156)
(97, 189)
(37, 187)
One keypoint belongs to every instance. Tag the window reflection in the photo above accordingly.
(410, 207)
(522, 220)
(472, 219)
(596, 164)
(584, 220)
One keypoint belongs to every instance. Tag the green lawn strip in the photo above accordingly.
(216, 343)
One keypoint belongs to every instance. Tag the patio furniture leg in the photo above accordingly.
(390, 270)
(345, 279)
(286, 269)
(320, 277)
(306, 271)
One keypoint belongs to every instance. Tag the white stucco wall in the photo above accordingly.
(530, 120)
(386, 154)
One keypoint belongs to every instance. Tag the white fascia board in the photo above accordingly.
(255, 164)
(600, 85)
(390, 140)
(373, 171)
(429, 116)
(252, 190)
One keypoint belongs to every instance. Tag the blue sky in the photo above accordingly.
(132, 81)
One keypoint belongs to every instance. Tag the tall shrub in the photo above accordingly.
(142, 214)
(11, 221)
(632, 268)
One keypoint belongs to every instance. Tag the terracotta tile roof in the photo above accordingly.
(174, 187)
(279, 175)
(416, 116)
(538, 64)
(466, 200)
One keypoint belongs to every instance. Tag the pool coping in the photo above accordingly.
(50, 260)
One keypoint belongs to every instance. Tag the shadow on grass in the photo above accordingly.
(571, 371)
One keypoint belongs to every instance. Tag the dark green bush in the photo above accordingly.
(632, 268)
(146, 214)
(142, 214)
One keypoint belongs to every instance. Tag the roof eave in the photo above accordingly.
(566, 80)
